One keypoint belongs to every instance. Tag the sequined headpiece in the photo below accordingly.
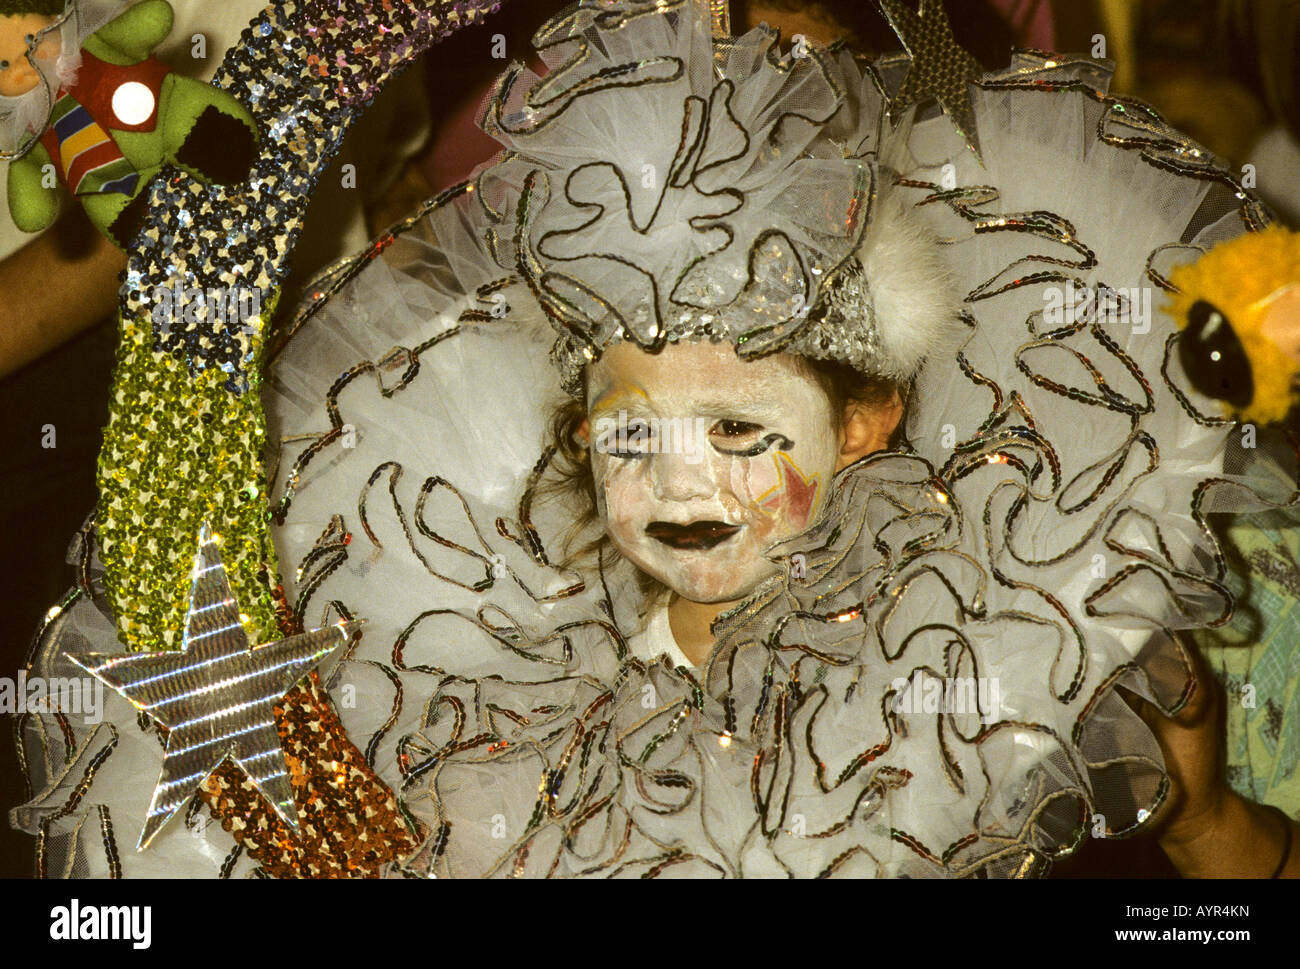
(676, 186)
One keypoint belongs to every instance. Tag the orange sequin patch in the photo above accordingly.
(349, 823)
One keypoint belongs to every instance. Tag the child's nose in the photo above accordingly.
(682, 475)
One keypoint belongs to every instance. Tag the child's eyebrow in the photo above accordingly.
(622, 395)
(761, 410)
(615, 391)
(760, 407)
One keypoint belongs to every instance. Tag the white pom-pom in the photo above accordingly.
(915, 296)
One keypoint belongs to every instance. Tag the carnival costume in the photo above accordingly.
(1041, 532)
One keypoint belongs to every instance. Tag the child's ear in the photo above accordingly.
(582, 433)
(867, 428)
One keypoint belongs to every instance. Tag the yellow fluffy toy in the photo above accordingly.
(1239, 307)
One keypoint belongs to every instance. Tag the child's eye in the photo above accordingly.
(745, 440)
(737, 438)
(630, 440)
(735, 429)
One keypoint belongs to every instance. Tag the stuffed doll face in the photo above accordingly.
(703, 461)
(17, 75)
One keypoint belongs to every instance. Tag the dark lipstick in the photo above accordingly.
(697, 536)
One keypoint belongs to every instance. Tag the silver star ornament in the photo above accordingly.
(941, 68)
(217, 695)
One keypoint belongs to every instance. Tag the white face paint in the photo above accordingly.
(704, 461)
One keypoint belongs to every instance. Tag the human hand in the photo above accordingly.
(1205, 829)
(1190, 743)
(82, 267)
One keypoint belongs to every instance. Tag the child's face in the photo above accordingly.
(704, 461)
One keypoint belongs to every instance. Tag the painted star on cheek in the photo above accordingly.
(794, 496)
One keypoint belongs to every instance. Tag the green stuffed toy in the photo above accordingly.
(112, 127)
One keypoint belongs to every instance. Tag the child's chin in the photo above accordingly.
(711, 588)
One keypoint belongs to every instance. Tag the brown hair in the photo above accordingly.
(572, 475)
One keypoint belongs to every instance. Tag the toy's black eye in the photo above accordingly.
(1213, 357)
(4, 65)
